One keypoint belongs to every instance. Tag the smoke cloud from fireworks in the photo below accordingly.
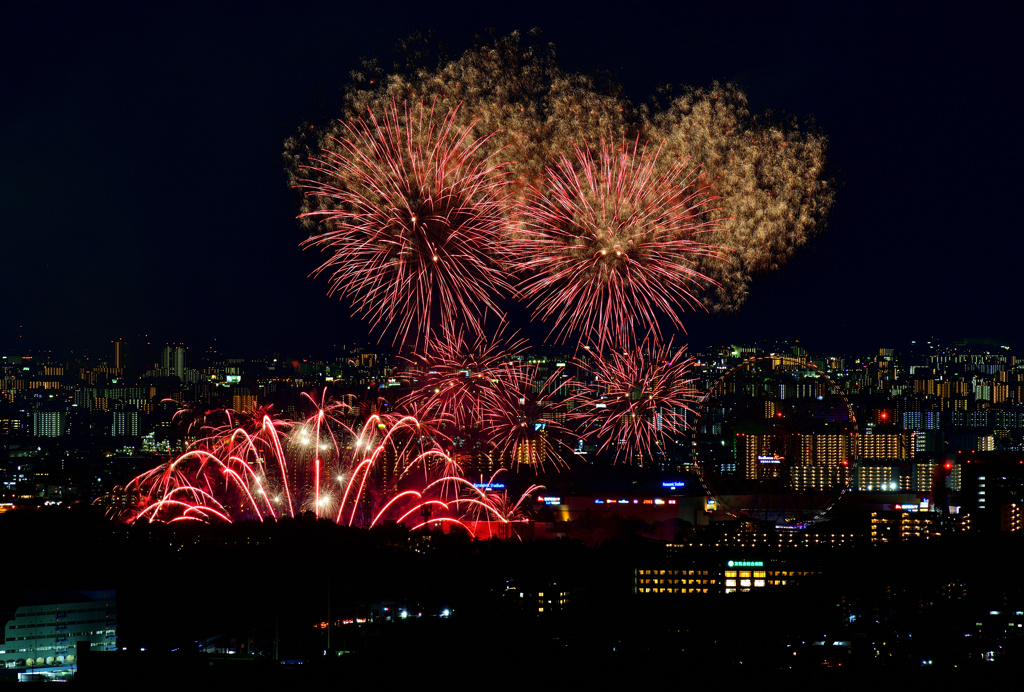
(769, 175)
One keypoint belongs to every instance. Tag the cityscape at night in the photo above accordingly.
(440, 338)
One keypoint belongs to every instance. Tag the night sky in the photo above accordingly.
(143, 190)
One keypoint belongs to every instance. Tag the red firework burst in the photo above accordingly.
(636, 400)
(608, 244)
(258, 467)
(413, 216)
(454, 379)
(525, 416)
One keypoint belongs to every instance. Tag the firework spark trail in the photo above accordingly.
(453, 378)
(636, 399)
(524, 416)
(357, 477)
(608, 245)
(414, 218)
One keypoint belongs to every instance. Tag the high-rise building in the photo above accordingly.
(49, 423)
(124, 424)
(895, 446)
(172, 360)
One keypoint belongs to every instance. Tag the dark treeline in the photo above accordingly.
(267, 592)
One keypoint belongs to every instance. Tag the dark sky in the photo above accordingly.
(142, 187)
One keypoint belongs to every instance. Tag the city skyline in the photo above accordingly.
(188, 411)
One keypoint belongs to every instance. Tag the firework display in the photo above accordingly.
(412, 218)
(609, 244)
(769, 174)
(446, 192)
(255, 466)
(636, 400)
(453, 379)
(524, 417)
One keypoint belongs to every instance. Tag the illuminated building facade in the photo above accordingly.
(124, 424)
(1011, 516)
(992, 492)
(895, 446)
(812, 462)
(243, 400)
(44, 638)
(49, 423)
(675, 581)
(878, 477)
(901, 525)
(715, 577)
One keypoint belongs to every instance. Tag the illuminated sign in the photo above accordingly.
(773, 459)
(630, 501)
(746, 563)
(550, 500)
(489, 486)
(710, 505)
(673, 484)
(234, 378)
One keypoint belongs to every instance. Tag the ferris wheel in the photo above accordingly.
(775, 440)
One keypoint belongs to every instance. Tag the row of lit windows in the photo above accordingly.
(730, 584)
(675, 581)
(679, 572)
(744, 574)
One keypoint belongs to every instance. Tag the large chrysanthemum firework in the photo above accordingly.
(413, 216)
(636, 400)
(454, 378)
(608, 245)
(258, 467)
